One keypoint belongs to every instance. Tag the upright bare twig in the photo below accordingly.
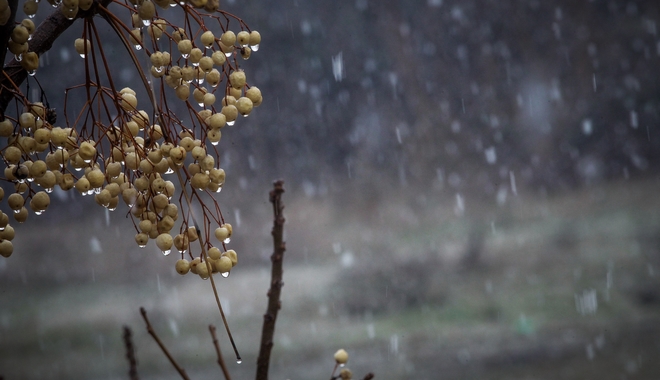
(151, 332)
(221, 361)
(276, 283)
(130, 353)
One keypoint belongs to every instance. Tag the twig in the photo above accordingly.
(221, 361)
(276, 283)
(130, 353)
(151, 332)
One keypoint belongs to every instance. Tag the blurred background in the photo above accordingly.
(472, 193)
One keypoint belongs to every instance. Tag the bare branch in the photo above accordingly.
(276, 283)
(130, 353)
(151, 332)
(221, 361)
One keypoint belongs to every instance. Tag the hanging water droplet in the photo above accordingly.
(214, 85)
(29, 37)
(17, 211)
(142, 245)
(30, 179)
(146, 22)
(48, 190)
(159, 69)
(138, 47)
(97, 190)
(200, 104)
(214, 143)
(254, 47)
(39, 212)
(166, 252)
(32, 73)
(227, 240)
(200, 80)
(90, 191)
(112, 208)
(239, 361)
(195, 64)
(185, 56)
(32, 16)
(229, 54)
(224, 274)
(18, 57)
(219, 189)
(230, 123)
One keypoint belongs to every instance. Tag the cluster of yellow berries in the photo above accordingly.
(130, 157)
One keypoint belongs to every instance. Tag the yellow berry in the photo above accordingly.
(341, 356)
(15, 201)
(182, 266)
(207, 38)
(83, 46)
(223, 264)
(244, 105)
(255, 39)
(243, 38)
(141, 239)
(228, 38)
(214, 253)
(231, 254)
(237, 79)
(164, 242)
(6, 248)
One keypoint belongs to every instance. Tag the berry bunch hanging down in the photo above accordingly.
(123, 148)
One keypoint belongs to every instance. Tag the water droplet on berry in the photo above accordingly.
(30, 179)
(229, 54)
(138, 47)
(159, 69)
(112, 208)
(32, 73)
(230, 123)
(48, 190)
(142, 245)
(18, 57)
(195, 64)
(169, 171)
(166, 252)
(227, 240)
(185, 56)
(200, 80)
(38, 212)
(224, 274)
(82, 56)
(254, 47)
(214, 143)
(146, 22)
(219, 187)
(239, 361)
(200, 104)
(32, 16)
(29, 37)
(17, 211)
(97, 190)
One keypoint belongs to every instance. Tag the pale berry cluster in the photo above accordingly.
(157, 164)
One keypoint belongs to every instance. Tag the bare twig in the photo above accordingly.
(151, 332)
(130, 353)
(221, 361)
(276, 283)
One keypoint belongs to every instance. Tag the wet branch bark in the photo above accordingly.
(276, 283)
(42, 40)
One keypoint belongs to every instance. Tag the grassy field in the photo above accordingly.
(562, 287)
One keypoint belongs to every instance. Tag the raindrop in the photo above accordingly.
(39, 212)
(146, 22)
(32, 73)
(254, 47)
(17, 211)
(239, 361)
(82, 55)
(185, 56)
(214, 143)
(138, 47)
(200, 104)
(219, 189)
(491, 155)
(142, 245)
(166, 252)
(229, 54)
(224, 274)
(230, 123)
(587, 126)
(18, 57)
(97, 190)
(32, 16)
(227, 240)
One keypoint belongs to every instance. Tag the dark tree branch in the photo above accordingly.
(130, 353)
(221, 361)
(42, 40)
(5, 30)
(151, 332)
(276, 283)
